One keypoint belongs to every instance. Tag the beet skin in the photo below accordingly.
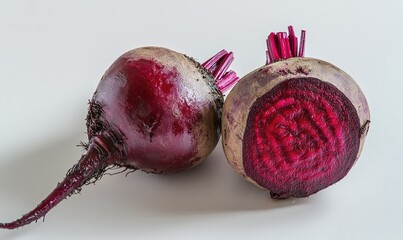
(165, 106)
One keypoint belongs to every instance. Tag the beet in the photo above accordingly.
(296, 125)
(154, 110)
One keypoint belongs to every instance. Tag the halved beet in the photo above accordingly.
(294, 126)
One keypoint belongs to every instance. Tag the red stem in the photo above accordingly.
(218, 66)
(210, 64)
(272, 47)
(287, 47)
(302, 44)
(227, 81)
(268, 57)
(280, 46)
(293, 41)
(223, 65)
(90, 164)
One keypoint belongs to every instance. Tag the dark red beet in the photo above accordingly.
(154, 110)
(294, 126)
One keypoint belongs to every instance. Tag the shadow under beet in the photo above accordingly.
(211, 187)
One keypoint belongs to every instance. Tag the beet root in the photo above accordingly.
(294, 126)
(154, 110)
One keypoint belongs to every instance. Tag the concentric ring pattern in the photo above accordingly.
(300, 137)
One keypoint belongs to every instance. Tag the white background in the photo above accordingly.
(53, 53)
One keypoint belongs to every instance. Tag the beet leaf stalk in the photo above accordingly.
(280, 46)
(218, 66)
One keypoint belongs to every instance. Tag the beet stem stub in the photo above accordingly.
(293, 41)
(227, 81)
(90, 166)
(302, 44)
(280, 46)
(218, 66)
(210, 64)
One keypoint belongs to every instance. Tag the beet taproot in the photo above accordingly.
(154, 110)
(296, 125)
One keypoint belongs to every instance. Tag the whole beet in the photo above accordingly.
(165, 105)
(154, 110)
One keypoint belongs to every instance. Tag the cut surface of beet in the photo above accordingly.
(300, 137)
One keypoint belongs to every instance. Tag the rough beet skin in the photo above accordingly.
(296, 125)
(154, 110)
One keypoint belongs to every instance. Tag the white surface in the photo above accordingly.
(52, 55)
